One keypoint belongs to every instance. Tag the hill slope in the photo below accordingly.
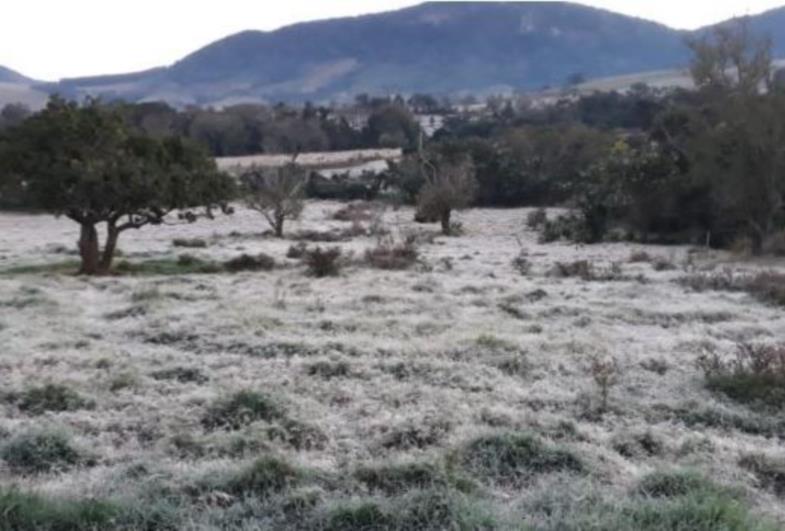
(445, 47)
(434, 47)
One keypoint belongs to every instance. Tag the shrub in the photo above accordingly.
(39, 452)
(637, 445)
(580, 268)
(755, 376)
(537, 218)
(328, 370)
(240, 409)
(362, 516)
(605, 372)
(20, 511)
(389, 254)
(323, 262)
(416, 435)
(512, 457)
(265, 476)
(297, 251)
(521, 263)
(298, 435)
(50, 397)
(190, 243)
(354, 212)
(245, 262)
(180, 374)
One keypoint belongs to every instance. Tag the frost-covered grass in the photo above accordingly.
(457, 393)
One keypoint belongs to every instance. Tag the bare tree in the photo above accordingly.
(277, 193)
(449, 185)
(732, 59)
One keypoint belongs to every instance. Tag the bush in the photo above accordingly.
(638, 445)
(190, 243)
(512, 457)
(265, 476)
(521, 263)
(244, 262)
(767, 286)
(537, 218)
(21, 511)
(362, 516)
(323, 262)
(36, 452)
(297, 251)
(240, 409)
(354, 212)
(50, 397)
(389, 254)
(580, 268)
(328, 370)
(755, 376)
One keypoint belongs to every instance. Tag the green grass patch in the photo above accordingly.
(265, 476)
(50, 397)
(39, 451)
(513, 457)
(21, 511)
(241, 409)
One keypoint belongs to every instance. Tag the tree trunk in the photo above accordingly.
(109, 248)
(445, 220)
(757, 239)
(278, 226)
(88, 249)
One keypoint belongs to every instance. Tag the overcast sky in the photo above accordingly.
(51, 39)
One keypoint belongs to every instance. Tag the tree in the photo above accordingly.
(731, 59)
(449, 185)
(82, 162)
(277, 193)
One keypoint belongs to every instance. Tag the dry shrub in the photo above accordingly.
(756, 375)
(638, 257)
(605, 372)
(389, 254)
(766, 286)
(245, 262)
(323, 262)
(354, 212)
(297, 251)
(537, 218)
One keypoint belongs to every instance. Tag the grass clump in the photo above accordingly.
(638, 445)
(323, 262)
(673, 484)
(181, 374)
(756, 376)
(513, 457)
(265, 476)
(769, 472)
(240, 409)
(397, 478)
(366, 515)
(21, 511)
(50, 397)
(328, 370)
(246, 262)
(766, 286)
(39, 451)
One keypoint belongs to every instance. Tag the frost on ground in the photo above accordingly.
(278, 400)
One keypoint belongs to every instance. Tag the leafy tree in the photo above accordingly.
(392, 126)
(82, 162)
(276, 193)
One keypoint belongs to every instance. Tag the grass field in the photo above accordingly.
(485, 387)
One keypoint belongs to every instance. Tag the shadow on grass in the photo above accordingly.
(182, 265)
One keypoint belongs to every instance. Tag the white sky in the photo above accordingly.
(50, 39)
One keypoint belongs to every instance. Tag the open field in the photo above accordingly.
(463, 393)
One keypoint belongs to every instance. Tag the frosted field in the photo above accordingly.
(373, 367)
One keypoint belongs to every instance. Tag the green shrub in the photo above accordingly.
(21, 511)
(512, 457)
(638, 445)
(39, 451)
(240, 409)
(328, 369)
(362, 516)
(50, 397)
(323, 262)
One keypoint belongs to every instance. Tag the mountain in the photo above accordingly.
(436, 47)
(9, 76)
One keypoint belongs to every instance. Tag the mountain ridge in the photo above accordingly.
(436, 47)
